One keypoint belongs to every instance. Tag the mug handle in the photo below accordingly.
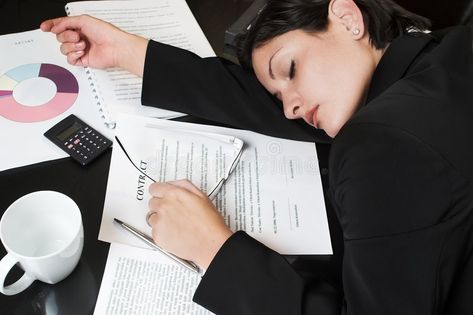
(6, 264)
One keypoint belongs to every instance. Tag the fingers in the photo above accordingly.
(47, 25)
(67, 48)
(72, 46)
(148, 217)
(156, 189)
(66, 30)
(75, 59)
(68, 36)
(165, 194)
(74, 53)
(184, 183)
(160, 190)
(62, 24)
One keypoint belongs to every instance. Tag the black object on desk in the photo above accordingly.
(78, 139)
(241, 25)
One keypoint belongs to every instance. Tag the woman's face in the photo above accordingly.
(321, 78)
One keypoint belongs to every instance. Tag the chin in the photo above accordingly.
(333, 128)
(331, 131)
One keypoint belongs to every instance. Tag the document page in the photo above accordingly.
(38, 88)
(274, 194)
(167, 21)
(142, 281)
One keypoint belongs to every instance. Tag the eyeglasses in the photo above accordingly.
(215, 190)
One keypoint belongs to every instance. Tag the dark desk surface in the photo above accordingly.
(77, 294)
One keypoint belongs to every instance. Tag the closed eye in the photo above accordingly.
(292, 70)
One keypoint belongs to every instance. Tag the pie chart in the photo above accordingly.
(67, 90)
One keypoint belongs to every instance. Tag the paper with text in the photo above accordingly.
(141, 281)
(167, 21)
(38, 88)
(274, 194)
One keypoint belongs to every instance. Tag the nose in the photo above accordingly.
(292, 104)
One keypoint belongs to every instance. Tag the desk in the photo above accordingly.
(77, 294)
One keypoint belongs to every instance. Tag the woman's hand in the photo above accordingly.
(185, 222)
(87, 41)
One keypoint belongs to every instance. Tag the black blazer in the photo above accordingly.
(401, 173)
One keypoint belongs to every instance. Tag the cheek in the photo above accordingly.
(318, 80)
(312, 86)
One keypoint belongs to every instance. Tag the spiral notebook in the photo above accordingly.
(38, 87)
(170, 22)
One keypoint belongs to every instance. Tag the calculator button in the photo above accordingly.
(76, 141)
(70, 146)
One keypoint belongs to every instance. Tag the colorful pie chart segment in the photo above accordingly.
(6, 83)
(67, 90)
(24, 72)
(5, 93)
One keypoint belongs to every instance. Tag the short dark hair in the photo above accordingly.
(384, 19)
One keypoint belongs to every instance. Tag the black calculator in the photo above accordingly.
(78, 139)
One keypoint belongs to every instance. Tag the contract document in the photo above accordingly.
(274, 193)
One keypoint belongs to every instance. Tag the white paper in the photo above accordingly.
(22, 55)
(143, 282)
(167, 21)
(275, 193)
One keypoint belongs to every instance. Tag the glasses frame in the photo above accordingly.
(218, 186)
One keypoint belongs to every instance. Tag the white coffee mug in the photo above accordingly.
(42, 232)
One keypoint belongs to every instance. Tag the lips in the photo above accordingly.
(311, 116)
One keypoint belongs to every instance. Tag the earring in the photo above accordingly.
(356, 31)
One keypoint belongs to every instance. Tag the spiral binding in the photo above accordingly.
(102, 109)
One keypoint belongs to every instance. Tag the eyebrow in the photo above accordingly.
(270, 69)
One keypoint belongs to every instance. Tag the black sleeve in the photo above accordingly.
(216, 90)
(403, 234)
(247, 277)
(402, 227)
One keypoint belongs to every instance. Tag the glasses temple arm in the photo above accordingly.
(131, 161)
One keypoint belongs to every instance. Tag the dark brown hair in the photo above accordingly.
(384, 19)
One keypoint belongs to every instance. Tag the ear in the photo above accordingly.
(347, 14)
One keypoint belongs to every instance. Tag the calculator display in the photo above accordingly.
(66, 133)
